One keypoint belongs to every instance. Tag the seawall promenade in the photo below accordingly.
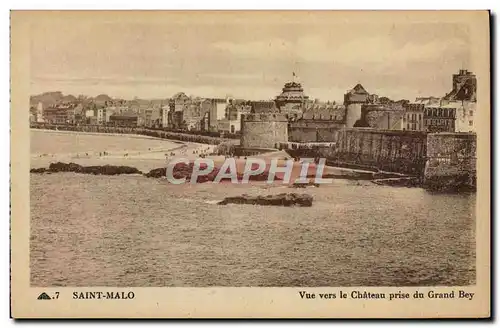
(187, 137)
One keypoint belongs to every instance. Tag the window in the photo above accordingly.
(471, 113)
(408, 126)
(470, 123)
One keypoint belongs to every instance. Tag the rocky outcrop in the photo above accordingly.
(39, 170)
(452, 183)
(361, 175)
(310, 183)
(157, 173)
(400, 182)
(286, 199)
(184, 171)
(96, 170)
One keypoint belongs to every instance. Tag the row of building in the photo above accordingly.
(453, 112)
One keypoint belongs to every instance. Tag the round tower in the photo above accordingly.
(263, 130)
(353, 100)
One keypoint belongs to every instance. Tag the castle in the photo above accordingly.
(295, 118)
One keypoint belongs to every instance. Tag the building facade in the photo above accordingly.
(127, 119)
(413, 119)
(440, 118)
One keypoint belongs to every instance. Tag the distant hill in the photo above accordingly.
(102, 98)
(47, 98)
(69, 98)
(52, 98)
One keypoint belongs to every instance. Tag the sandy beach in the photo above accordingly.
(84, 148)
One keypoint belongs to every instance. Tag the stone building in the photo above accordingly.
(292, 99)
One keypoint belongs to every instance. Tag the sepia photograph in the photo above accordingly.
(246, 149)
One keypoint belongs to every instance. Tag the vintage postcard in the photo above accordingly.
(250, 164)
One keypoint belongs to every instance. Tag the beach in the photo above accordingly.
(142, 152)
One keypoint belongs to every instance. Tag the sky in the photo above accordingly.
(246, 59)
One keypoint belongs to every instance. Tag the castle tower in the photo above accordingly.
(292, 98)
(263, 130)
(464, 87)
(353, 100)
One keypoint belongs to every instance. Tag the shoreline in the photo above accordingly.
(145, 158)
(128, 135)
(140, 131)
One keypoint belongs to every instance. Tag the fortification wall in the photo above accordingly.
(302, 134)
(442, 161)
(451, 161)
(317, 130)
(263, 130)
(395, 151)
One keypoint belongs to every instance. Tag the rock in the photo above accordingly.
(347, 175)
(310, 183)
(96, 170)
(184, 171)
(399, 182)
(109, 170)
(285, 199)
(453, 183)
(63, 167)
(264, 176)
(39, 170)
(157, 173)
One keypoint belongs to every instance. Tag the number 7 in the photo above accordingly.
(57, 295)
